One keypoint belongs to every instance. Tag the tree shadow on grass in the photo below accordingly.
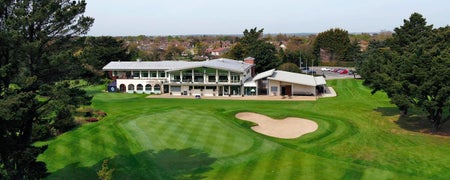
(388, 111)
(165, 164)
(414, 122)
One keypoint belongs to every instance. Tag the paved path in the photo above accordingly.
(330, 93)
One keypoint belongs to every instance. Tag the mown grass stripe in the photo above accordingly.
(287, 165)
(273, 164)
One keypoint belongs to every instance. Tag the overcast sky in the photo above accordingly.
(187, 17)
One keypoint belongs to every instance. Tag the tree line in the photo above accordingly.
(286, 52)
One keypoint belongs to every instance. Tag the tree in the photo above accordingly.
(413, 69)
(173, 52)
(35, 38)
(96, 52)
(290, 67)
(412, 32)
(353, 52)
(253, 45)
(335, 42)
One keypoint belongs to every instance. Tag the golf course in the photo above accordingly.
(359, 136)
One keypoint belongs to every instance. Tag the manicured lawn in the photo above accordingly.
(360, 136)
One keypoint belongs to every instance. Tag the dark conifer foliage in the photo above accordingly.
(413, 68)
(35, 56)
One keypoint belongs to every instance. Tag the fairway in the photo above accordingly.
(359, 137)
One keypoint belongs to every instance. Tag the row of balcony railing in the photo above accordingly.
(202, 81)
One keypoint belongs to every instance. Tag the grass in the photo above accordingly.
(359, 137)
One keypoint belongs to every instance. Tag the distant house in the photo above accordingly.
(363, 45)
(219, 51)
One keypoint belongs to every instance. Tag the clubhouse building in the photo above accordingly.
(218, 77)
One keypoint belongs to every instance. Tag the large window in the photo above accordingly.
(187, 75)
(175, 76)
(148, 87)
(140, 87)
(235, 90)
(162, 74)
(274, 88)
(223, 76)
(144, 74)
(175, 89)
(212, 78)
(130, 87)
(157, 87)
(198, 74)
(153, 74)
(211, 73)
(135, 73)
(235, 78)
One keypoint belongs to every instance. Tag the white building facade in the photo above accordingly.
(216, 77)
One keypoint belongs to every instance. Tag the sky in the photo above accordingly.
(198, 17)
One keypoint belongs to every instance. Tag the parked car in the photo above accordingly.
(343, 71)
(309, 71)
(325, 69)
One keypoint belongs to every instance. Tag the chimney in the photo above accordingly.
(249, 60)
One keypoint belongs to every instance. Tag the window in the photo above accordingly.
(235, 90)
(175, 88)
(211, 78)
(176, 78)
(148, 87)
(144, 73)
(130, 87)
(274, 88)
(153, 74)
(162, 74)
(140, 87)
(199, 87)
(136, 74)
(223, 78)
(235, 78)
(157, 87)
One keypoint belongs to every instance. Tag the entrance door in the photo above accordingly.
(123, 88)
(288, 90)
(220, 90)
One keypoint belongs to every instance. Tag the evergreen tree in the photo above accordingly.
(290, 67)
(413, 69)
(96, 52)
(335, 41)
(34, 38)
(254, 45)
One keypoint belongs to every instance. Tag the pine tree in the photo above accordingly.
(33, 39)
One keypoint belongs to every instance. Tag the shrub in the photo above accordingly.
(92, 119)
(100, 113)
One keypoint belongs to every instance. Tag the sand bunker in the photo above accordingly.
(288, 128)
